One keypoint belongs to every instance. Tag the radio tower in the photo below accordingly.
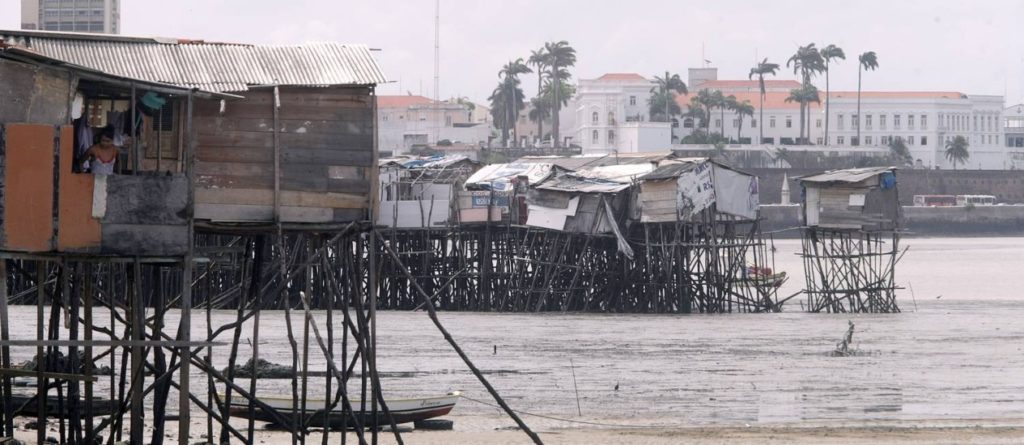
(437, 76)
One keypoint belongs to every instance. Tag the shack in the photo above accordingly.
(497, 192)
(421, 191)
(681, 189)
(852, 220)
(859, 198)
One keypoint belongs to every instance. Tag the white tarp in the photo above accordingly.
(735, 193)
(696, 191)
(500, 176)
(551, 218)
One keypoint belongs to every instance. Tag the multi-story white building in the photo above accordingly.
(96, 16)
(611, 114)
(1013, 129)
(407, 121)
(925, 121)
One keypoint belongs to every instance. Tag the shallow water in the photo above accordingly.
(954, 357)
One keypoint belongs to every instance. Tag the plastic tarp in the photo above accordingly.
(499, 176)
(735, 193)
(696, 190)
(551, 218)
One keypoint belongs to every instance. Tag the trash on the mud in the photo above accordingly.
(56, 361)
(843, 347)
(264, 370)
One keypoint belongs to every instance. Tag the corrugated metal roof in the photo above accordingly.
(218, 67)
(572, 183)
(849, 175)
(587, 161)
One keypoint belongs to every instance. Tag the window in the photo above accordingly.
(447, 121)
(718, 123)
(820, 140)
(611, 136)
(818, 123)
(611, 118)
(924, 140)
(595, 136)
(895, 122)
(789, 121)
(771, 122)
(855, 119)
(881, 122)
(975, 123)
(753, 123)
(594, 117)
(867, 140)
(924, 121)
(632, 100)
(867, 123)
(839, 122)
(910, 122)
(840, 140)
(884, 140)
(688, 122)
(910, 140)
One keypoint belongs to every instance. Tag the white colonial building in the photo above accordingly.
(1014, 135)
(924, 120)
(404, 122)
(610, 114)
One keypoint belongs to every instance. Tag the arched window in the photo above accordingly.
(688, 122)
(611, 118)
(611, 136)
(594, 117)
(594, 136)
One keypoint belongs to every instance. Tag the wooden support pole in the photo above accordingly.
(5, 352)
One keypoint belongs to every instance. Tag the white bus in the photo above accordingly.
(977, 200)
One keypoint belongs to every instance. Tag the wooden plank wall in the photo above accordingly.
(658, 201)
(327, 151)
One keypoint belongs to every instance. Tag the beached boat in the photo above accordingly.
(403, 410)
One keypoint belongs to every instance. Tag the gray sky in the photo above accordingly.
(972, 47)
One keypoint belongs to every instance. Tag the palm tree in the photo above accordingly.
(760, 70)
(727, 102)
(539, 60)
(867, 61)
(664, 93)
(807, 61)
(899, 152)
(956, 151)
(804, 96)
(742, 109)
(561, 56)
(514, 99)
(706, 101)
(828, 54)
(541, 109)
(717, 99)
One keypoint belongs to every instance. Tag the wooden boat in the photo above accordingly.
(403, 410)
(762, 277)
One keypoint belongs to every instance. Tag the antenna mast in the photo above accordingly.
(437, 76)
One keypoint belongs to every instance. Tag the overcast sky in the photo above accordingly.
(973, 47)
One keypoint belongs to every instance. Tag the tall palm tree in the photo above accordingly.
(539, 60)
(956, 151)
(726, 103)
(760, 70)
(540, 110)
(807, 62)
(665, 89)
(804, 96)
(867, 61)
(718, 100)
(561, 56)
(828, 54)
(707, 100)
(514, 99)
(742, 109)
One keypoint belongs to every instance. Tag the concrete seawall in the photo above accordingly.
(1002, 220)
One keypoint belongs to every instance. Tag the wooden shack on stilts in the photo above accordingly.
(245, 178)
(852, 220)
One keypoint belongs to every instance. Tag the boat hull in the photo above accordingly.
(402, 410)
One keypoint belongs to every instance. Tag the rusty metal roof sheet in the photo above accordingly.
(219, 67)
(850, 175)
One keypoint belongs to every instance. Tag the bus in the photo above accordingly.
(977, 200)
(934, 201)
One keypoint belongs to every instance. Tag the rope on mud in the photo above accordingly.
(562, 419)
